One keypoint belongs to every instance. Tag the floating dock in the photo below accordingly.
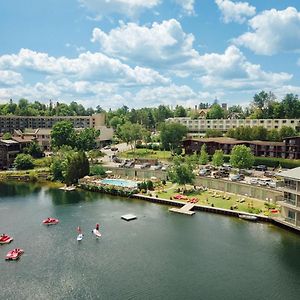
(186, 209)
(129, 217)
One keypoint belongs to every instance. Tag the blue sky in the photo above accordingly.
(145, 53)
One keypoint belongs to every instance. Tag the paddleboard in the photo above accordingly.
(79, 237)
(96, 233)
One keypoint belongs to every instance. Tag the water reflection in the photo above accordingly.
(12, 189)
(60, 197)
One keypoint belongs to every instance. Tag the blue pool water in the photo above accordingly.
(120, 182)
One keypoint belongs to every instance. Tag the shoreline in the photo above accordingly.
(198, 207)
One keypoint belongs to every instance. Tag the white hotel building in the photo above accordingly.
(198, 126)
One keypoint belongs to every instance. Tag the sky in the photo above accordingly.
(142, 53)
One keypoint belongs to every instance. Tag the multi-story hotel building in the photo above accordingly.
(290, 206)
(10, 123)
(198, 126)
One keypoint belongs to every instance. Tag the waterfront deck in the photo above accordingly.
(186, 209)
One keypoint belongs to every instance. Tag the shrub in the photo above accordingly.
(150, 185)
(97, 170)
(23, 162)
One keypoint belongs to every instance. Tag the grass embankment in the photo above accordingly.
(147, 154)
(217, 199)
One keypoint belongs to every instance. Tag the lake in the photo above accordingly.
(158, 256)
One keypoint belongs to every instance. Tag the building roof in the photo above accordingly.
(8, 142)
(45, 131)
(292, 173)
(25, 139)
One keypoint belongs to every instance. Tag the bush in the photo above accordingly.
(23, 162)
(97, 170)
(150, 185)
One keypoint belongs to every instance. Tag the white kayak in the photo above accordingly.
(79, 237)
(96, 233)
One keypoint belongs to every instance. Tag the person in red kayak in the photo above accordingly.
(97, 226)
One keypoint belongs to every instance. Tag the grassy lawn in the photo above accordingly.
(215, 198)
(147, 153)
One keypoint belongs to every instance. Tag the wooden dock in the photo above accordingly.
(186, 209)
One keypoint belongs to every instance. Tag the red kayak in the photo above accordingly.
(14, 254)
(50, 221)
(5, 239)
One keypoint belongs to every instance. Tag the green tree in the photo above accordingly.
(180, 111)
(75, 166)
(291, 106)
(131, 133)
(63, 133)
(213, 133)
(33, 149)
(215, 112)
(171, 135)
(203, 155)
(286, 131)
(181, 173)
(7, 136)
(23, 162)
(86, 139)
(273, 135)
(241, 157)
(115, 122)
(218, 158)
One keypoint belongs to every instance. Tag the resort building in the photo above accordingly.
(198, 126)
(288, 148)
(10, 123)
(290, 206)
(9, 149)
(43, 136)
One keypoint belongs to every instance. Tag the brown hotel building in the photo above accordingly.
(288, 148)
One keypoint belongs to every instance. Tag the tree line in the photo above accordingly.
(265, 105)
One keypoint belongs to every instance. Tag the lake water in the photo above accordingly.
(158, 256)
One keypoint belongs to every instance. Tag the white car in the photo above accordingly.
(253, 181)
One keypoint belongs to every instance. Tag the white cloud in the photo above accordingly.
(187, 5)
(87, 66)
(10, 77)
(158, 45)
(235, 11)
(129, 8)
(168, 95)
(232, 70)
(273, 31)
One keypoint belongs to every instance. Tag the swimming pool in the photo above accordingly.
(120, 182)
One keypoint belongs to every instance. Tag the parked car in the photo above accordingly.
(107, 147)
(253, 181)
(264, 181)
(221, 174)
(269, 174)
(272, 184)
(129, 164)
(114, 149)
(157, 167)
(237, 177)
(246, 172)
(145, 165)
(261, 168)
(122, 164)
(204, 172)
(226, 167)
(116, 159)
